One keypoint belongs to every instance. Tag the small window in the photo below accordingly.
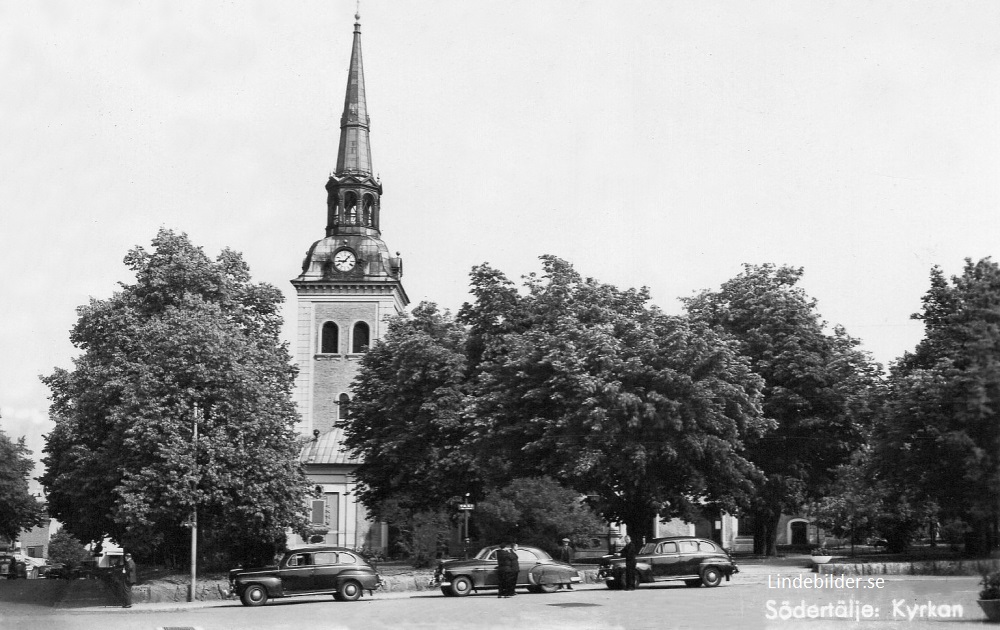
(704, 545)
(300, 560)
(325, 557)
(346, 558)
(361, 338)
(330, 339)
(688, 546)
(526, 556)
(345, 406)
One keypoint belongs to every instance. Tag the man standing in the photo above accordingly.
(565, 554)
(503, 565)
(125, 575)
(514, 568)
(631, 574)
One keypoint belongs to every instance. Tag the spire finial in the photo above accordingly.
(357, 12)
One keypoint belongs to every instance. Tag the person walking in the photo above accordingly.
(631, 574)
(565, 554)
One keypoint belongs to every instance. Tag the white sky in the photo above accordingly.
(649, 142)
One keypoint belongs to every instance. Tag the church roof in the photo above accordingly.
(327, 448)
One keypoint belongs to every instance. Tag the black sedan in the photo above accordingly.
(695, 561)
(538, 572)
(316, 570)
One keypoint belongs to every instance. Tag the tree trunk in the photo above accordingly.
(765, 534)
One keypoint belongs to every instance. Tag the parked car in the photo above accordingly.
(12, 567)
(314, 570)
(539, 572)
(7, 566)
(695, 561)
(58, 570)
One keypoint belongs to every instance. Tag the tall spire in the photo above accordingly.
(354, 155)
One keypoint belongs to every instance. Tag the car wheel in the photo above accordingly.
(693, 582)
(349, 591)
(254, 595)
(461, 586)
(547, 588)
(614, 585)
(447, 591)
(711, 576)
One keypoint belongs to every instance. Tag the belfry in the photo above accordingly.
(349, 285)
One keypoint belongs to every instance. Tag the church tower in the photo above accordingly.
(348, 286)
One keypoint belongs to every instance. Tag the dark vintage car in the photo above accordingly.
(538, 572)
(314, 570)
(695, 561)
(12, 568)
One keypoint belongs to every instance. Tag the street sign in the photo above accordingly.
(466, 506)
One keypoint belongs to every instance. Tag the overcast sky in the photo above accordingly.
(650, 143)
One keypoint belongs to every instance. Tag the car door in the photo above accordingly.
(486, 573)
(665, 561)
(297, 574)
(327, 566)
(526, 561)
(689, 558)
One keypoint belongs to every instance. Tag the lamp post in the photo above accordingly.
(194, 511)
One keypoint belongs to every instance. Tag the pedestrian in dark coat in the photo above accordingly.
(513, 569)
(565, 554)
(125, 577)
(631, 573)
(503, 572)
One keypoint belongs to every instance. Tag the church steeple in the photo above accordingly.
(354, 155)
(353, 202)
(353, 248)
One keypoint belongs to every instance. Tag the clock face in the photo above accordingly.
(344, 260)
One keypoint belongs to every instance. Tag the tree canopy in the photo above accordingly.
(572, 379)
(19, 510)
(190, 333)
(940, 437)
(818, 387)
(406, 421)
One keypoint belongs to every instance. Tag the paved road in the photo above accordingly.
(751, 601)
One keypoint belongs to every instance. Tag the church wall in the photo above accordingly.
(333, 374)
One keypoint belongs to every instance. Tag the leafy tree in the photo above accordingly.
(421, 535)
(940, 436)
(853, 501)
(406, 420)
(19, 510)
(818, 387)
(122, 461)
(66, 549)
(590, 385)
(535, 511)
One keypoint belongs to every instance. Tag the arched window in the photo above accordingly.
(350, 209)
(368, 203)
(345, 406)
(330, 343)
(361, 339)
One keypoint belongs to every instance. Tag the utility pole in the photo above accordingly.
(194, 513)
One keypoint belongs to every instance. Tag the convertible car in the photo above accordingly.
(539, 573)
